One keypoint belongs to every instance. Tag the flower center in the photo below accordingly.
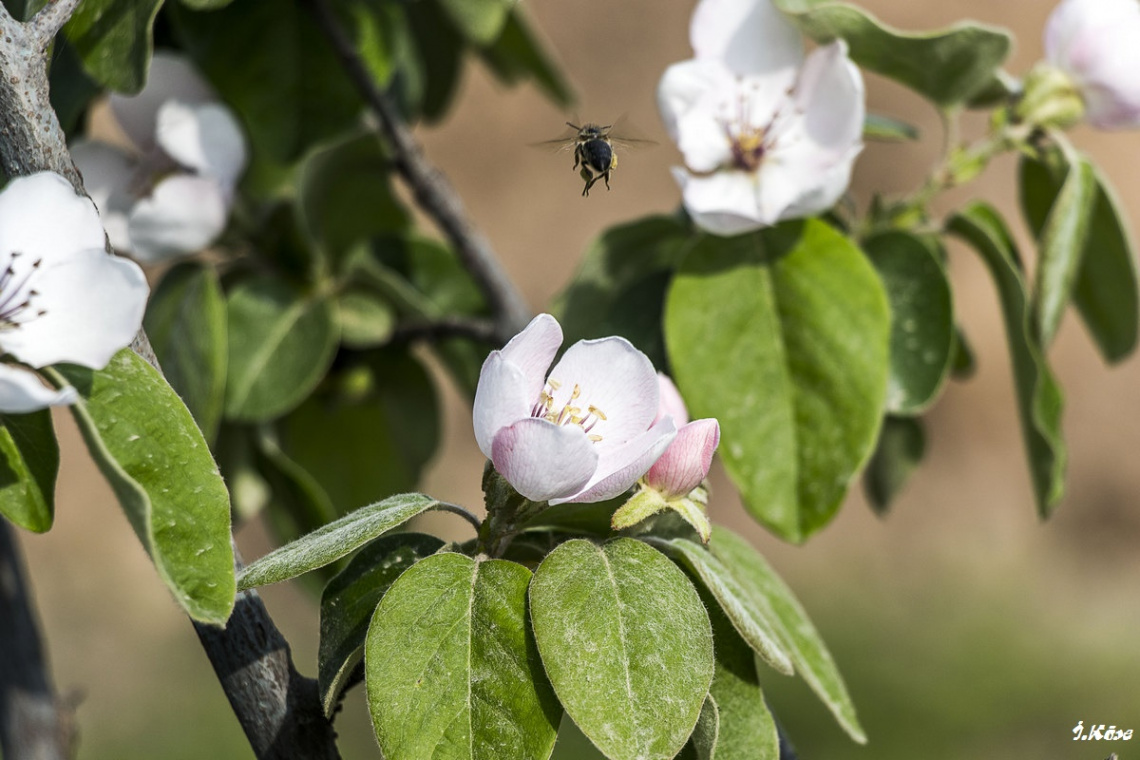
(570, 413)
(16, 293)
(751, 135)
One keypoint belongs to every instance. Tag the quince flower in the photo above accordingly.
(62, 297)
(173, 196)
(584, 433)
(1095, 42)
(766, 134)
(675, 481)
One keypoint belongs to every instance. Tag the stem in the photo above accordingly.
(445, 327)
(279, 710)
(34, 723)
(431, 188)
(455, 509)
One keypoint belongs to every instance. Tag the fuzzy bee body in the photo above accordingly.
(595, 156)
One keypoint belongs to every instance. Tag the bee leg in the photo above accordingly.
(606, 177)
(577, 159)
(589, 179)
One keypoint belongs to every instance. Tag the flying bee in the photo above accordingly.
(593, 147)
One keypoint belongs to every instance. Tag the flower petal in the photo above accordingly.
(749, 36)
(670, 402)
(533, 349)
(206, 138)
(1106, 66)
(620, 468)
(1074, 20)
(171, 77)
(688, 85)
(93, 306)
(831, 95)
(614, 377)
(107, 174)
(687, 460)
(502, 397)
(22, 392)
(42, 218)
(544, 461)
(183, 214)
(723, 203)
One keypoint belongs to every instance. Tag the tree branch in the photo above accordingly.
(34, 724)
(279, 710)
(50, 19)
(431, 189)
(446, 327)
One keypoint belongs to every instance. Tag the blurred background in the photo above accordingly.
(964, 626)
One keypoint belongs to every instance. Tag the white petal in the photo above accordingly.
(22, 392)
(42, 218)
(619, 469)
(1106, 66)
(542, 460)
(182, 215)
(691, 84)
(830, 94)
(670, 403)
(532, 351)
(614, 377)
(827, 187)
(502, 397)
(724, 203)
(750, 36)
(703, 141)
(1075, 20)
(171, 77)
(687, 460)
(107, 175)
(93, 305)
(206, 138)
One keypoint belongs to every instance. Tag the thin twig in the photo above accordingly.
(447, 327)
(50, 19)
(431, 189)
(455, 509)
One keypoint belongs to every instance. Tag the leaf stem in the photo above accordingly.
(447, 326)
(455, 509)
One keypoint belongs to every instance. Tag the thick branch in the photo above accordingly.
(431, 189)
(34, 725)
(50, 20)
(279, 709)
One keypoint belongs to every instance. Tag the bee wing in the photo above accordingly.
(557, 145)
(626, 144)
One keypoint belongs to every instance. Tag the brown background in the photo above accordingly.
(966, 628)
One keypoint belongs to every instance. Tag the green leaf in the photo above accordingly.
(395, 419)
(236, 453)
(451, 668)
(365, 319)
(518, 54)
(440, 47)
(290, 90)
(349, 601)
(69, 88)
(151, 452)
(809, 654)
(782, 336)
(620, 286)
(745, 728)
(186, 323)
(29, 461)
(922, 318)
(113, 39)
(902, 444)
(750, 621)
(345, 196)
(702, 745)
(333, 541)
(299, 503)
(281, 342)
(626, 644)
(948, 66)
(886, 129)
(206, 5)
(1105, 292)
(480, 21)
(1039, 399)
(964, 364)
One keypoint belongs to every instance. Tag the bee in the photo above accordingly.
(594, 153)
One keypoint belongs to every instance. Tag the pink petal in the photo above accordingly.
(670, 403)
(533, 349)
(502, 397)
(544, 461)
(620, 468)
(687, 460)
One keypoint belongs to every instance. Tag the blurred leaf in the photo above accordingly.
(963, 364)
(948, 66)
(149, 449)
(902, 444)
(620, 286)
(290, 89)
(366, 320)
(702, 745)
(1039, 398)
(206, 5)
(22, 10)
(885, 129)
(750, 621)
(29, 462)
(783, 337)
(480, 21)
(440, 47)
(451, 667)
(186, 323)
(345, 196)
(998, 91)
(1106, 289)
(350, 599)
(333, 541)
(518, 54)
(236, 453)
(299, 502)
(626, 644)
(113, 39)
(384, 435)
(922, 319)
(791, 623)
(281, 342)
(745, 728)
(70, 89)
